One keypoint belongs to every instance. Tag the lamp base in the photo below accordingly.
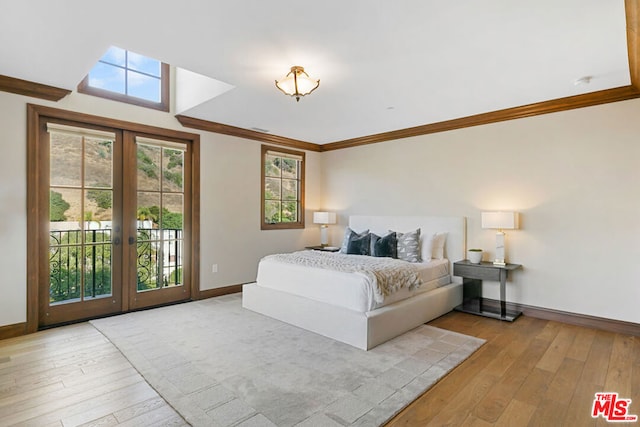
(324, 235)
(499, 260)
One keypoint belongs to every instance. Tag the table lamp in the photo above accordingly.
(500, 221)
(324, 219)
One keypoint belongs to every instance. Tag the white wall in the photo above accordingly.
(13, 209)
(574, 176)
(230, 199)
(230, 211)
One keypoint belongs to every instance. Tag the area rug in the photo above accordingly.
(218, 364)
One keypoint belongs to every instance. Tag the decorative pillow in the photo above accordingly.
(385, 246)
(426, 246)
(347, 235)
(409, 246)
(437, 250)
(359, 245)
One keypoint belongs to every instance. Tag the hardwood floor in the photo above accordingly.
(529, 373)
(74, 376)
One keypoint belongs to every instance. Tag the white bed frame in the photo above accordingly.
(367, 330)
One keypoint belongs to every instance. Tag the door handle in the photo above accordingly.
(116, 241)
(132, 240)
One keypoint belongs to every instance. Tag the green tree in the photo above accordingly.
(171, 220)
(146, 164)
(57, 206)
(146, 214)
(175, 158)
(101, 197)
(175, 177)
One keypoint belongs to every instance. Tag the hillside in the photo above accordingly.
(158, 168)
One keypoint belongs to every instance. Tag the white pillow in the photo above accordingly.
(426, 246)
(432, 246)
(437, 249)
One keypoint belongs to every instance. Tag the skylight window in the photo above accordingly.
(127, 76)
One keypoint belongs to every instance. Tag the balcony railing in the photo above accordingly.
(75, 264)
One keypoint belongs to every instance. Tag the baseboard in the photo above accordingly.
(217, 292)
(11, 331)
(610, 325)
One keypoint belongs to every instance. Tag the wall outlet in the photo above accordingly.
(214, 268)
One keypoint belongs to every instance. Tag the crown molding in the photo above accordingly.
(553, 106)
(214, 127)
(35, 90)
(556, 105)
(561, 104)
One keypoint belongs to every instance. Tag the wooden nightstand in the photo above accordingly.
(324, 248)
(472, 277)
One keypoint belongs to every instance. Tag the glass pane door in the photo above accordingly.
(82, 220)
(160, 222)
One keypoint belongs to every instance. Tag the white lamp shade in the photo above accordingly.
(297, 83)
(500, 220)
(287, 85)
(306, 84)
(324, 217)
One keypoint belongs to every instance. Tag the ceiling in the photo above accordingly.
(382, 65)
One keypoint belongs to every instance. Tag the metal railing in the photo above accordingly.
(74, 263)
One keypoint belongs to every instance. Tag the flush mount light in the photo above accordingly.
(297, 83)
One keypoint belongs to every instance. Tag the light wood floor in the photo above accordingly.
(72, 376)
(529, 373)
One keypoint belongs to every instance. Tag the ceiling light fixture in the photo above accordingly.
(297, 83)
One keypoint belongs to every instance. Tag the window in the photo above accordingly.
(282, 188)
(126, 76)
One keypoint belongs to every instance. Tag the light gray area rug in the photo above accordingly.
(218, 364)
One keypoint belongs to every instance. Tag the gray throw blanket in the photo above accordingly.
(386, 274)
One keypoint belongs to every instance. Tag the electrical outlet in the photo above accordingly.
(214, 268)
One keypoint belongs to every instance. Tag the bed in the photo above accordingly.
(340, 305)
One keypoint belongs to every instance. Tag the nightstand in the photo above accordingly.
(324, 248)
(472, 277)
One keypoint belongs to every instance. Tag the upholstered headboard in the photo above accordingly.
(456, 228)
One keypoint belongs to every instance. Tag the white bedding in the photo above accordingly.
(348, 290)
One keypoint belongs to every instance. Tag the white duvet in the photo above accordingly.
(345, 289)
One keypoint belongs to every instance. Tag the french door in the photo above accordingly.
(118, 230)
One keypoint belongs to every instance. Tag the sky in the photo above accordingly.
(127, 73)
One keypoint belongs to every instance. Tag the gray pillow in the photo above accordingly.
(347, 235)
(409, 246)
(385, 246)
(359, 245)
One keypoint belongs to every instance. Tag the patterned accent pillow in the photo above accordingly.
(385, 246)
(409, 246)
(347, 236)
